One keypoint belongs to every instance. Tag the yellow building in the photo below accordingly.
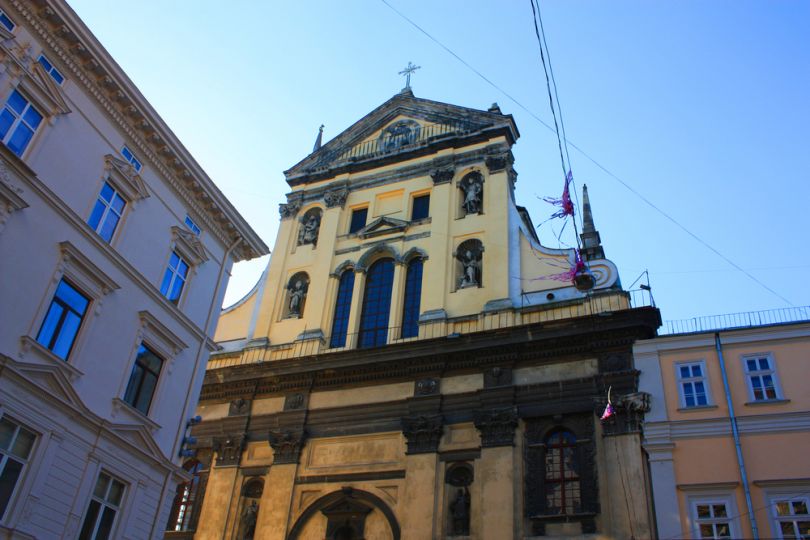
(409, 366)
(728, 434)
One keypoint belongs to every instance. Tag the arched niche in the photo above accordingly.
(295, 298)
(471, 192)
(346, 507)
(469, 265)
(309, 226)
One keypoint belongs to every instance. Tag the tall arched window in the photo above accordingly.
(188, 499)
(343, 305)
(413, 294)
(562, 473)
(376, 303)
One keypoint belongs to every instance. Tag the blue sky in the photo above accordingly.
(702, 107)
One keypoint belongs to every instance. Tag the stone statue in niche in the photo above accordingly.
(310, 225)
(298, 292)
(460, 510)
(472, 186)
(469, 255)
(248, 521)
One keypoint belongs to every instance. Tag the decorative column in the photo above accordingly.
(628, 508)
(496, 472)
(220, 488)
(423, 433)
(287, 444)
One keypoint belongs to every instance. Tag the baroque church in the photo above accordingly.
(410, 365)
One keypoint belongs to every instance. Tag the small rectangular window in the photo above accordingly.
(791, 516)
(421, 207)
(130, 157)
(712, 519)
(192, 226)
(103, 508)
(18, 123)
(761, 375)
(174, 279)
(6, 21)
(143, 380)
(107, 212)
(51, 70)
(359, 216)
(16, 444)
(63, 320)
(692, 384)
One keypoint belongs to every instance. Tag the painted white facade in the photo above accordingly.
(75, 408)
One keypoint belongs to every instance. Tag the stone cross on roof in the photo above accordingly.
(410, 68)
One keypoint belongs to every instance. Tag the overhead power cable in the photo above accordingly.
(587, 156)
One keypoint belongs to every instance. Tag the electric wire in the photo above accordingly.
(588, 157)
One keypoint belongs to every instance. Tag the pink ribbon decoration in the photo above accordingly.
(565, 203)
(609, 411)
(579, 266)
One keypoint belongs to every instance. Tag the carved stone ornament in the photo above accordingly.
(427, 387)
(497, 376)
(239, 407)
(498, 162)
(287, 444)
(628, 413)
(497, 426)
(294, 402)
(229, 450)
(288, 210)
(423, 433)
(335, 197)
(442, 176)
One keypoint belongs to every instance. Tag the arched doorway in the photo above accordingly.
(346, 511)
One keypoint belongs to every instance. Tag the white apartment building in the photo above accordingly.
(115, 252)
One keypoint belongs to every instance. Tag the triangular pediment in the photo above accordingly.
(402, 125)
(139, 437)
(53, 381)
(381, 226)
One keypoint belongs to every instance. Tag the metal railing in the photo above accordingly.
(744, 319)
(450, 328)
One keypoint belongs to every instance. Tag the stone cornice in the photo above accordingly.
(66, 37)
(528, 344)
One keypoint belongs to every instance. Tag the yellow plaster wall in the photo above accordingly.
(536, 266)
(213, 411)
(462, 383)
(705, 460)
(233, 323)
(556, 372)
(376, 452)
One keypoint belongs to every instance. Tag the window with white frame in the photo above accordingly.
(712, 518)
(18, 123)
(107, 212)
(130, 157)
(192, 226)
(16, 443)
(760, 372)
(174, 279)
(6, 21)
(103, 508)
(50, 69)
(692, 384)
(789, 515)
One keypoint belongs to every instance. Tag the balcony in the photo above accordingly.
(746, 319)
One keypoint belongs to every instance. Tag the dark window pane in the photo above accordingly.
(72, 297)
(343, 305)
(67, 333)
(5, 21)
(376, 303)
(147, 390)
(177, 289)
(23, 444)
(167, 280)
(6, 119)
(8, 479)
(421, 207)
(89, 521)
(17, 102)
(134, 385)
(20, 139)
(49, 325)
(6, 433)
(105, 527)
(32, 118)
(358, 219)
(413, 294)
(108, 228)
(95, 216)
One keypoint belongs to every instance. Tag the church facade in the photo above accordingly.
(410, 365)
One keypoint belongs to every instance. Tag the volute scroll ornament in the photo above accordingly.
(287, 444)
(289, 209)
(336, 197)
(229, 450)
(423, 433)
(497, 426)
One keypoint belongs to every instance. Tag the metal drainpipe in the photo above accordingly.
(736, 434)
